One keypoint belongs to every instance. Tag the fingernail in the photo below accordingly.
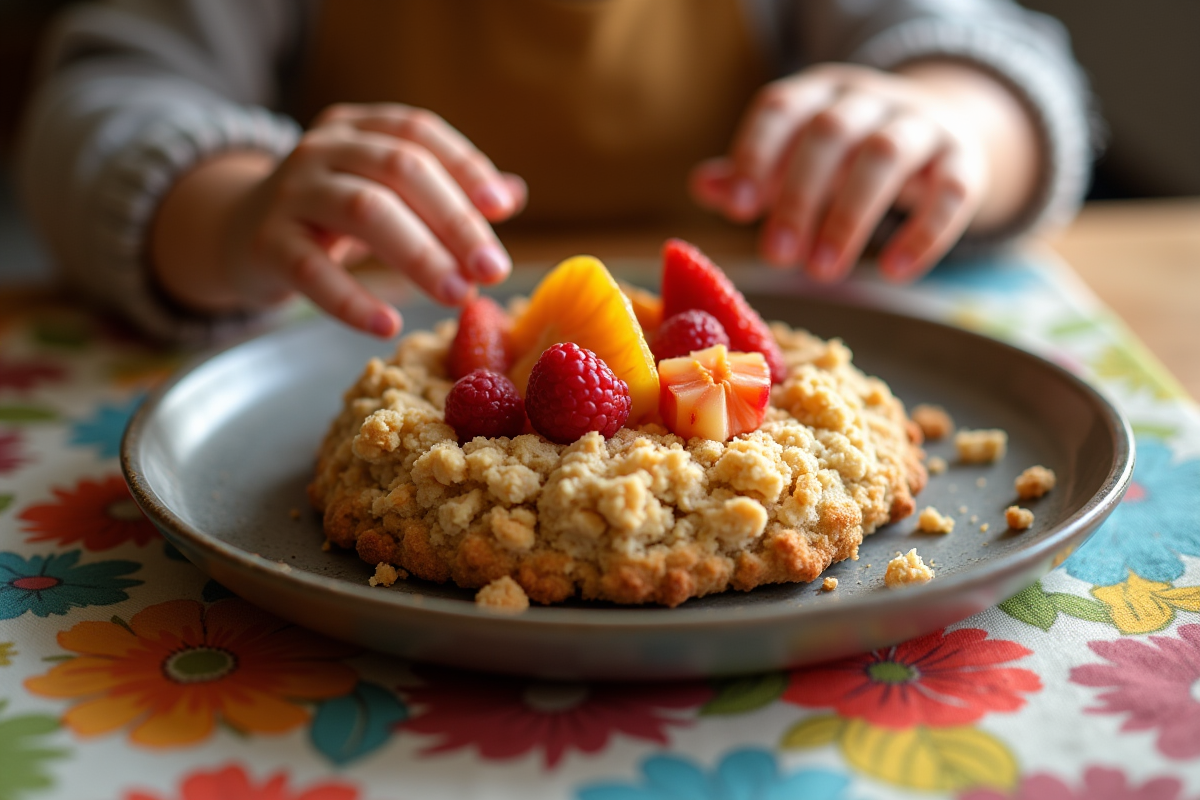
(782, 245)
(823, 261)
(899, 265)
(743, 197)
(488, 263)
(494, 198)
(382, 324)
(453, 290)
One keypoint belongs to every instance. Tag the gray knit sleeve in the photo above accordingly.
(134, 94)
(1028, 51)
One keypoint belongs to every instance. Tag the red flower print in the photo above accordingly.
(232, 783)
(100, 515)
(506, 718)
(1099, 783)
(25, 375)
(939, 680)
(1156, 683)
(10, 452)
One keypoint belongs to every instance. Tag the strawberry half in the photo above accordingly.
(691, 281)
(481, 341)
(714, 394)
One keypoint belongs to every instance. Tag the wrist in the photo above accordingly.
(193, 238)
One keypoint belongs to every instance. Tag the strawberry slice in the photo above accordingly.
(691, 281)
(714, 394)
(481, 341)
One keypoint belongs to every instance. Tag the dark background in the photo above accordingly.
(1143, 59)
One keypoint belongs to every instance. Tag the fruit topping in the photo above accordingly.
(580, 302)
(688, 331)
(482, 339)
(714, 394)
(690, 281)
(485, 403)
(647, 306)
(572, 391)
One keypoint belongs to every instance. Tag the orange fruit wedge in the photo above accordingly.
(646, 305)
(580, 302)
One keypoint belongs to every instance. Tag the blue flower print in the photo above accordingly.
(750, 774)
(105, 427)
(53, 584)
(997, 275)
(1156, 523)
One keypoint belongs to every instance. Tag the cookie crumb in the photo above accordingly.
(386, 575)
(984, 528)
(974, 519)
(829, 584)
(503, 595)
(906, 569)
(936, 465)
(1018, 518)
(326, 546)
(981, 482)
(981, 446)
(1034, 482)
(294, 513)
(933, 421)
(962, 509)
(933, 521)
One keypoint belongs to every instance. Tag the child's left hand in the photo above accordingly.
(824, 154)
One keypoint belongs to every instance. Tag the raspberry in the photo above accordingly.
(687, 332)
(485, 403)
(481, 341)
(572, 391)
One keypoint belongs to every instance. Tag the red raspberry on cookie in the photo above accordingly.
(485, 403)
(572, 391)
(686, 332)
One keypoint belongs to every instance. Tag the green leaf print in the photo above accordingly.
(23, 756)
(1032, 605)
(1080, 607)
(18, 414)
(741, 695)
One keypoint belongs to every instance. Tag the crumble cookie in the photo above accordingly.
(643, 517)
(906, 569)
(504, 595)
(1034, 482)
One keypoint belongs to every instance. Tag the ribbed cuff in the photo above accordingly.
(1051, 89)
(128, 193)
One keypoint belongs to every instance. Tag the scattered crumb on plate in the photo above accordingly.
(984, 528)
(962, 509)
(981, 482)
(829, 584)
(933, 421)
(981, 446)
(503, 595)
(326, 546)
(1018, 518)
(933, 521)
(1034, 482)
(386, 575)
(936, 465)
(906, 569)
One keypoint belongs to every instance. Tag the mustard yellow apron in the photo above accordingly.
(602, 106)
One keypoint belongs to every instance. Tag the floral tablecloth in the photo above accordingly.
(126, 673)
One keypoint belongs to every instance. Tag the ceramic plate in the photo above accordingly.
(220, 455)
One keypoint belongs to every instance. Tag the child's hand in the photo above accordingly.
(386, 179)
(823, 155)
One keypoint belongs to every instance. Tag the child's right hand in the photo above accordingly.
(387, 179)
